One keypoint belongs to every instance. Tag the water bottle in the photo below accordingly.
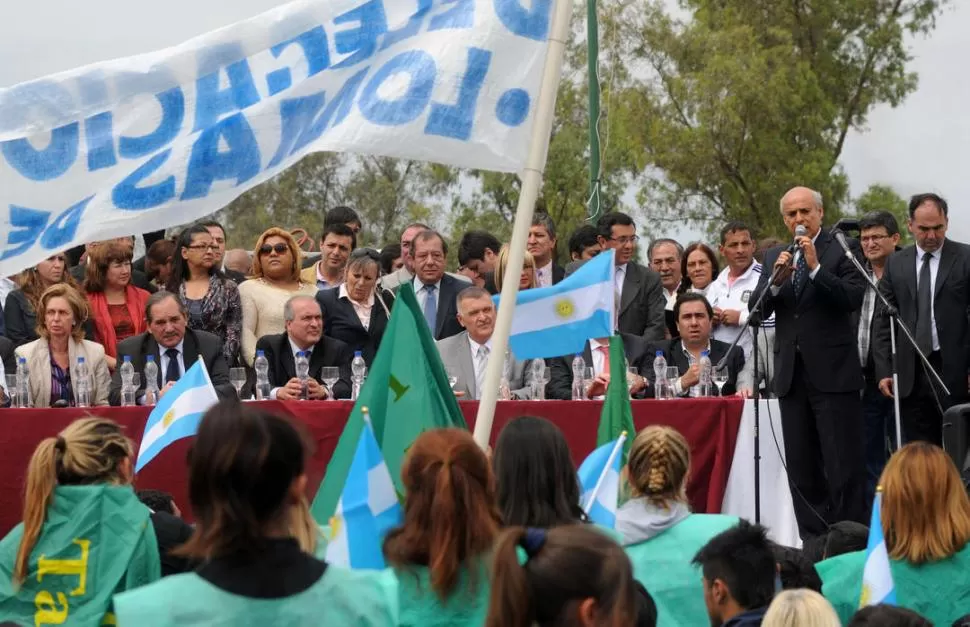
(82, 384)
(303, 374)
(661, 385)
(358, 369)
(23, 384)
(705, 374)
(127, 382)
(151, 380)
(262, 376)
(579, 370)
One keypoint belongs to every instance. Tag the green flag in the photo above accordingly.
(617, 415)
(406, 392)
(96, 540)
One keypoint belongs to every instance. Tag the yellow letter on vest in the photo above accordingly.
(47, 612)
(78, 567)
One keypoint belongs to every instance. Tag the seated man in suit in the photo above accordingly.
(694, 315)
(304, 332)
(466, 354)
(176, 349)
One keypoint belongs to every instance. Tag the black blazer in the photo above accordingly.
(235, 277)
(560, 386)
(195, 344)
(673, 351)
(817, 325)
(558, 273)
(642, 304)
(340, 322)
(328, 352)
(19, 318)
(446, 320)
(138, 278)
(951, 304)
(171, 532)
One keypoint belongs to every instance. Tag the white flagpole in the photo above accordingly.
(531, 180)
(609, 464)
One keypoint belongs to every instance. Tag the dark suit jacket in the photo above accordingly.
(171, 532)
(138, 278)
(235, 277)
(642, 303)
(340, 322)
(560, 386)
(19, 319)
(195, 344)
(558, 273)
(673, 351)
(951, 303)
(328, 352)
(446, 319)
(818, 324)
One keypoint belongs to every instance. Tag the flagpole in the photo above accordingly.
(531, 180)
(609, 464)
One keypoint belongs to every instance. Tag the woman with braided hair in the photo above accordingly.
(660, 533)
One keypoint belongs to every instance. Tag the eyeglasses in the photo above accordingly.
(629, 239)
(872, 238)
(280, 248)
(204, 247)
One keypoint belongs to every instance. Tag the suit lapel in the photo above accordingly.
(286, 358)
(318, 357)
(907, 259)
(631, 285)
(947, 258)
(444, 297)
(190, 349)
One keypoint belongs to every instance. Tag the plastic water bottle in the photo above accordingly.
(262, 376)
(82, 384)
(127, 382)
(579, 370)
(23, 384)
(705, 374)
(151, 380)
(303, 374)
(358, 369)
(661, 385)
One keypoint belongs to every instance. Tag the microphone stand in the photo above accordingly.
(893, 321)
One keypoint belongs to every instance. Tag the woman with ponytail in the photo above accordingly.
(441, 551)
(660, 534)
(85, 534)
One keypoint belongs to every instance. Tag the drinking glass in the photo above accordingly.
(330, 376)
(673, 373)
(237, 377)
(720, 377)
(588, 376)
(452, 378)
(11, 389)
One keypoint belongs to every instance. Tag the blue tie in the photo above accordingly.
(430, 307)
(801, 275)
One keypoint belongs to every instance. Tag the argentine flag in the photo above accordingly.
(877, 579)
(368, 508)
(599, 481)
(178, 413)
(557, 320)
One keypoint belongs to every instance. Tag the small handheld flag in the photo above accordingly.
(599, 479)
(877, 578)
(368, 508)
(178, 413)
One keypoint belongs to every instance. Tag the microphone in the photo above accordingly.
(800, 231)
(840, 238)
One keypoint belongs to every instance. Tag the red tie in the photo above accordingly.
(605, 352)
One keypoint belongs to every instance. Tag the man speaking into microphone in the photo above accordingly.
(812, 290)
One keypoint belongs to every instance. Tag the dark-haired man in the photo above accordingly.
(336, 244)
(584, 243)
(218, 233)
(731, 290)
(477, 255)
(343, 214)
(436, 291)
(542, 247)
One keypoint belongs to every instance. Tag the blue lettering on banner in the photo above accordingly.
(461, 15)
(362, 41)
(213, 102)
(127, 195)
(532, 23)
(410, 29)
(61, 231)
(101, 148)
(315, 49)
(207, 164)
(29, 225)
(422, 69)
(512, 107)
(47, 163)
(172, 102)
(456, 120)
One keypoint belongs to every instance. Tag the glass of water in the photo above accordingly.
(237, 377)
(673, 373)
(452, 378)
(720, 376)
(10, 382)
(330, 376)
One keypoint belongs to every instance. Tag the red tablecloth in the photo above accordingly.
(710, 425)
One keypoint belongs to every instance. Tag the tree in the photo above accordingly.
(884, 198)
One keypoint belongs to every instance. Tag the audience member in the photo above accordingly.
(739, 575)
(212, 299)
(795, 569)
(275, 278)
(138, 278)
(159, 501)
(442, 550)
(20, 307)
(175, 348)
(52, 359)
(436, 291)
(336, 244)
(800, 608)
(542, 246)
(238, 264)
(391, 260)
(698, 268)
(731, 291)
(247, 472)
(658, 528)
(117, 307)
(844, 537)
(405, 273)
(926, 526)
(158, 262)
(888, 616)
(342, 214)
(665, 258)
(170, 530)
(357, 312)
(242, 267)
(304, 333)
(596, 356)
(584, 243)
(478, 254)
(7, 364)
(528, 279)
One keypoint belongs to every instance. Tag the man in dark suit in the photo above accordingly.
(596, 355)
(176, 349)
(437, 292)
(218, 234)
(542, 247)
(694, 316)
(304, 333)
(929, 284)
(817, 373)
(138, 278)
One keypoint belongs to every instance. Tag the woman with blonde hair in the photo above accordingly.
(20, 307)
(800, 608)
(53, 359)
(527, 280)
(277, 262)
(659, 532)
(926, 525)
(85, 535)
(441, 551)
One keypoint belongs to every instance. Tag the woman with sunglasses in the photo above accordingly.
(212, 299)
(357, 311)
(277, 261)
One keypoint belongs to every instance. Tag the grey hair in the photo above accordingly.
(162, 296)
(363, 261)
(470, 292)
(816, 196)
(288, 313)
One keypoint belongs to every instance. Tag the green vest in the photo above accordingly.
(466, 605)
(940, 591)
(663, 565)
(339, 599)
(96, 540)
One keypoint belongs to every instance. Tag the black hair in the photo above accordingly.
(180, 267)
(741, 558)
(157, 501)
(582, 238)
(212, 223)
(690, 297)
(734, 226)
(545, 220)
(608, 220)
(887, 616)
(846, 536)
(875, 219)
(796, 570)
(473, 245)
(919, 199)
(963, 621)
(537, 481)
(341, 214)
(388, 254)
(340, 229)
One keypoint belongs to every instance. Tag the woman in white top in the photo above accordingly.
(699, 267)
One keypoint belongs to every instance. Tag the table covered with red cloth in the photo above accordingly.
(710, 426)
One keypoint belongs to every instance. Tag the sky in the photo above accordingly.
(915, 147)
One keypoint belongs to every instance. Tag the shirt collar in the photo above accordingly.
(683, 347)
(545, 268)
(322, 279)
(594, 344)
(476, 346)
(418, 285)
(296, 349)
(726, 272)
(342, 293)
(937, 254)
(177, 347)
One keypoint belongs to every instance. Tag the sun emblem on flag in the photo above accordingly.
(335, 523)
(168, 418)
(565, 308)
(866, 595)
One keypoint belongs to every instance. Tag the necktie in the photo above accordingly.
(801, 274)
(172, 372)
(924, 301)
(480, 371)
(605, 352)
(430, 307)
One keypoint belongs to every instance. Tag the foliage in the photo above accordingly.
(884, 198)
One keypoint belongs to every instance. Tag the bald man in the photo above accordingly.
(818, 377)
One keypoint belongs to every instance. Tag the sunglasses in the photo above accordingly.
(280, 248)
(365, 252)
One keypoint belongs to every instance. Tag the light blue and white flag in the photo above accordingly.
(557, 320)
(178, 413)
(877, 579)
(599, 480)
(368, 508)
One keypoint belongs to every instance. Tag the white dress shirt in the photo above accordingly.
(934, 269)
(599, 360)
(362, 310)
(478, 363)
(618, 278)
(544, 275)
(422, 294)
